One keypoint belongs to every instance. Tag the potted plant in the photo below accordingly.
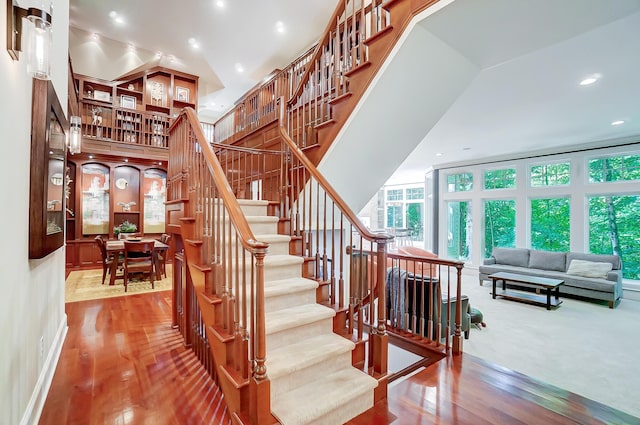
(124, 228)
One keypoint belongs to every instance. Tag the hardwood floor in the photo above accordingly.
(122, 363)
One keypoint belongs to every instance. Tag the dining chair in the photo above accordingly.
(107, 259)
(138, 258)
(162, 255)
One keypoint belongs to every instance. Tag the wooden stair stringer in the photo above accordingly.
(379, 46)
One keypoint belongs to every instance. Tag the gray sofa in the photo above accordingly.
(555, 265)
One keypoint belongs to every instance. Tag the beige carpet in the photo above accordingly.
(584, 347)
(82, 285)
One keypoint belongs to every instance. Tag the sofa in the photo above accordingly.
(593, 276)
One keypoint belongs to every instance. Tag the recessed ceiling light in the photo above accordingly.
(619, 122)
(194, 44)
(239, 67)
(220, 4)
(90, 156)
(159, 162)
(113, 14)
(119, 20)
(126, 160)
(590, 80)
(280, 26)
(438, 153)
(95, 36)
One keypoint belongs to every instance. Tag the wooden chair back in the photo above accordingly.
(138, 258)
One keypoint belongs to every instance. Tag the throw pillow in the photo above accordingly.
(589, 268)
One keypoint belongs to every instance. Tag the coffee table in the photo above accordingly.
(550, 285)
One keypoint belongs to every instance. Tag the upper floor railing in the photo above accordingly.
(313, 80)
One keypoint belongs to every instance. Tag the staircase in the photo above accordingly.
(312, 379)
(285, 285)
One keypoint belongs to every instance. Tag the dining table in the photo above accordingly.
(116, 248)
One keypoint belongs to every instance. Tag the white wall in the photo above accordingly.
(32, 301)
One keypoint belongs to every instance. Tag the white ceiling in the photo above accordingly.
(242, 32)
(530, 56)
(526, 96)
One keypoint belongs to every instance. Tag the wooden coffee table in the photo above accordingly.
(550, 285)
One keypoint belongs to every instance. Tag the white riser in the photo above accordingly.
(293, 335)
(282, 384)
(287, 300)
(263, 225)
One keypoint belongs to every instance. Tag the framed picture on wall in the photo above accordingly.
(128, 101)
(182, 94)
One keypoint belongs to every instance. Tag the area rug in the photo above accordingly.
(82, 285)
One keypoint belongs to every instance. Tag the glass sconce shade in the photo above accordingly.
(75, 134)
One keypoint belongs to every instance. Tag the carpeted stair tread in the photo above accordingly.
(293, 317)
(282, 260)
(294, 357)
(274, 237)
(287, 286)
(261, 219)
(322, 396)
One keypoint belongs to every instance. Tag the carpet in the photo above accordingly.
(83, 285)
(582, 346)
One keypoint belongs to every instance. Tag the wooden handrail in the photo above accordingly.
(342, 205)
(236, 215)
(317, 51)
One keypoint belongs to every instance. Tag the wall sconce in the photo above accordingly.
(75, 134)
(39, 44)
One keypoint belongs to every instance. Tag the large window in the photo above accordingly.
(461, 182)
(394, 215)
(500, 179)
(394, 195)
(551, 174)
(615, 168)
(499, 225)
(415, 217)
(613, 228)
(459, 230)
(550, 219)
(415, 193)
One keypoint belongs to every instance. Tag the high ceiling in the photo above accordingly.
(530, 57)
(238, 33)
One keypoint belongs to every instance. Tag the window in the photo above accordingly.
(500, 179)
(459, 182)
(459, 226)
(551, 174)
(550, 221)
(614, 168)
(613, 228)
(394, 215)
(394, 195)
(415, 217)
(499, 225)
(415, 193)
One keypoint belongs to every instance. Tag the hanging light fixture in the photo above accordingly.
(39, 38)
(75, 134)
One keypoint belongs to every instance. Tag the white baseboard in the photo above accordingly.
(36, 403)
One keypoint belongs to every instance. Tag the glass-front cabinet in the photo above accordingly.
(95, 199)
(155, 195)
(104, 194)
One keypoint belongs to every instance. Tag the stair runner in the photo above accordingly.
(312, 379)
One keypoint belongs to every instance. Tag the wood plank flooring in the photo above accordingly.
(123, 364)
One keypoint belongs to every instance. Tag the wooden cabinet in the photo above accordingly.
(103, 194)
(135, 109)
